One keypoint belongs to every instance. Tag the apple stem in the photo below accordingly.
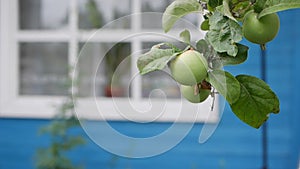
(196, 89)
(263, 47)
(214, 99)
(205, 85)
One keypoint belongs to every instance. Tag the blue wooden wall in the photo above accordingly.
(234, 145)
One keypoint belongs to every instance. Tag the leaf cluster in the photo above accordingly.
(250, 98)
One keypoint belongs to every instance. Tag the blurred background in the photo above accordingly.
(39, 44)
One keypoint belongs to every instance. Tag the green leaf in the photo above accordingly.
(241, 56)
(72, 142)
(209, 53)
(155, 59)
(226, 84)
(204, 48)
(256, 101)
(259, 5)
(276, 108)
(178, 9)
(185, 36)
(225, 10)
(240, 8)
(224, 34)
(222, 59)
(214, 3)
(272, 6)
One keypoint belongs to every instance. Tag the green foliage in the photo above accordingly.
(178, 9)
(224, 34)
(54, 156)
(186, 36)
(156, 58)
(214, 3)
(116, 55)
(256, 101)
(238, 8)
(241, 56)
(95, 17)
(225, 10)
(250, 98)
(226, 84)
(222, 59)
(113, 59)
(259, 6)
(272, 6)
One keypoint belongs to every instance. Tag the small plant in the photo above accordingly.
(114, 56)
(226, 23)
(61, 140)
(113, 59)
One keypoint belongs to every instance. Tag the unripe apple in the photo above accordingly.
(189, 94)
(189, 68)
(261, 30)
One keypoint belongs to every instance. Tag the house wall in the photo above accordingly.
(234, 145)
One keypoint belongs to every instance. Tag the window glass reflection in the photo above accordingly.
(43, 68)
(43, 14)
(104, 70)
(94, 14)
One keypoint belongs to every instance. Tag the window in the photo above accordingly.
(41, 39)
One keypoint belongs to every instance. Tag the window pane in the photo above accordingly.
(97, 13)
(43, 14)
(159, 84)
(157, 7)
(43, 68)
(104, 69)
(153, 20)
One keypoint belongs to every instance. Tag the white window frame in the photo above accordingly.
(14, 105)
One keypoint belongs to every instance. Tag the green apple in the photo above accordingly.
(188, 93)
(189, 68)
(260, 31)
